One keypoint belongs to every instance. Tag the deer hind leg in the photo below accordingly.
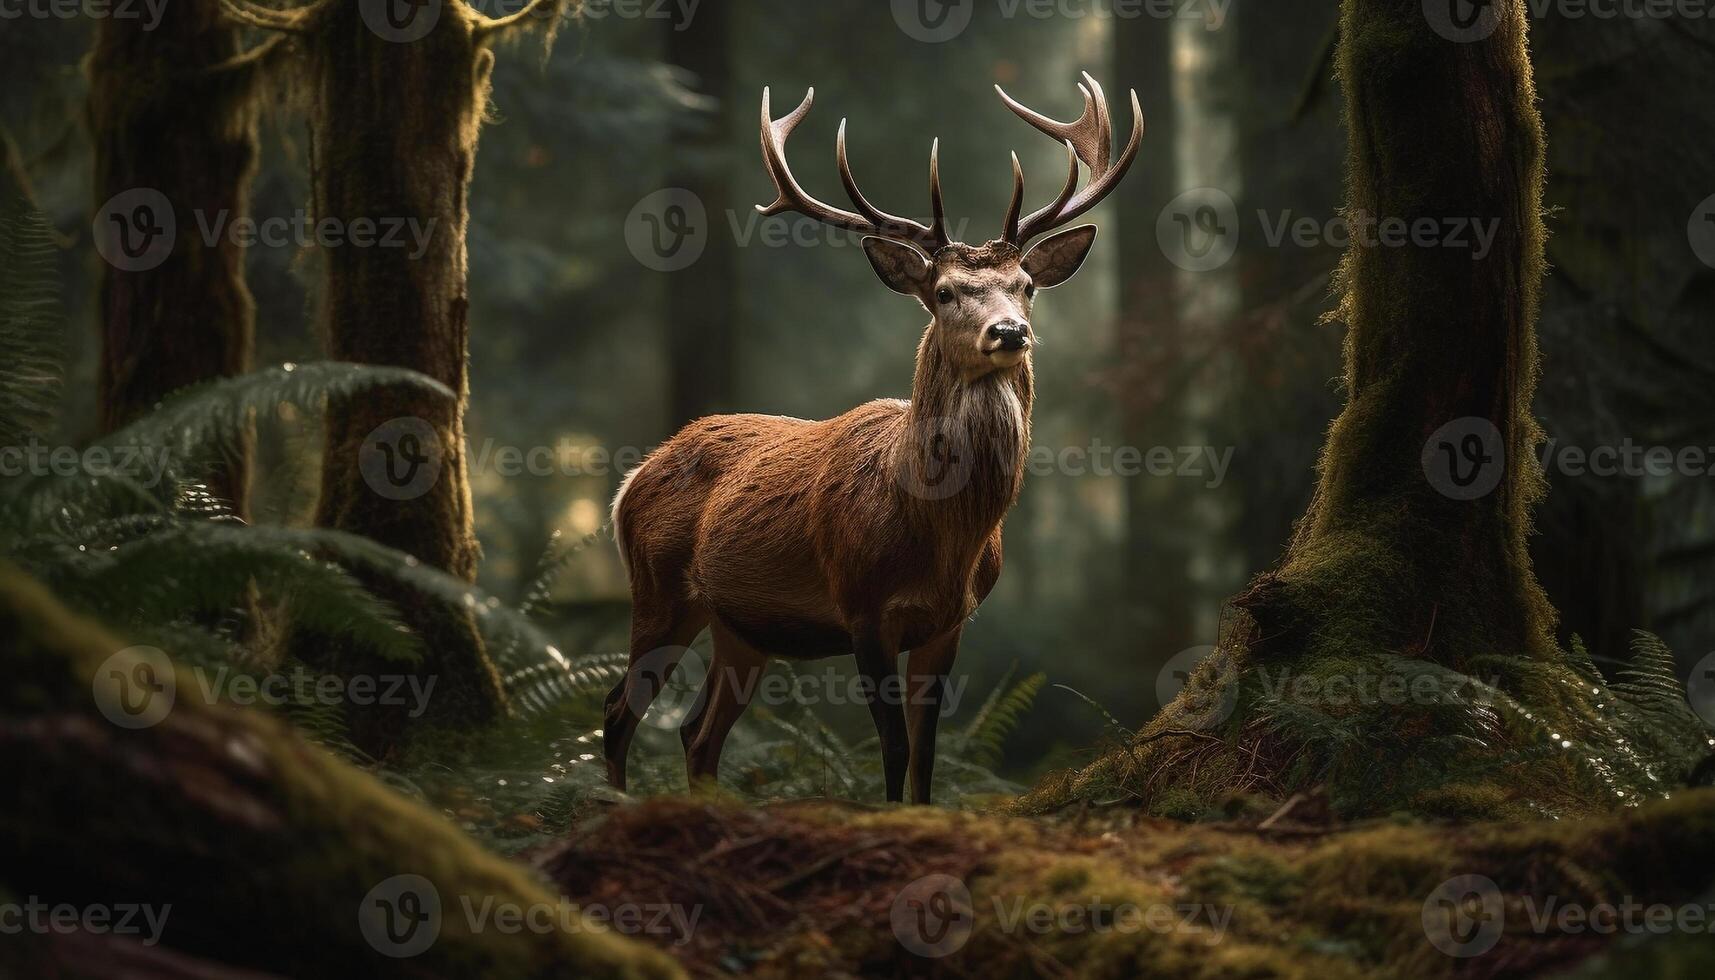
(878, 663)
(733, 677)
(659, 634)
(925, 688)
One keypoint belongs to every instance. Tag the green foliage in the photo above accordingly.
(1007, 704)
(1632, 739)
(529, 780)
(545, 687)
(130, 535)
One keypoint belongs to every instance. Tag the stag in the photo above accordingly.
(878, 531)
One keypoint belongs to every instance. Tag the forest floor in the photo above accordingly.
(1110, 893)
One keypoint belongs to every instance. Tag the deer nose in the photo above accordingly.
(1010, 335)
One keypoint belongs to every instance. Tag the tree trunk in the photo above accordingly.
(170, 130)
(1415, 538)
(1152, 343)
(256, 851)
(395, 140)
(702, 298)
(1370, 659)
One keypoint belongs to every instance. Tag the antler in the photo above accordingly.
(1088, 139)
(871, 220)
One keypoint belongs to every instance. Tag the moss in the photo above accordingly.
(1388, 577)
(1341, 902)
(265, 847)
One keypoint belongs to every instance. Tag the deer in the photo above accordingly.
(876, 532)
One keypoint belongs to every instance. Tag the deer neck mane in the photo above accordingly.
(964, 441)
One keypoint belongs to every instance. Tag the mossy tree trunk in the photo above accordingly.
(1415, 540)
(395, 125)
(163, 118)
(257, 851)
(1370, 660)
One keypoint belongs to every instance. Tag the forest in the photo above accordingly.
(1261, 523)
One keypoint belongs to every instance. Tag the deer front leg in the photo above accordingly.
(926, 671)
(878, 664)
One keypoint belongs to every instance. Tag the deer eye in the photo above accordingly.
(944, 294)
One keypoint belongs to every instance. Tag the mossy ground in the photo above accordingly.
(265, 847)
(813, 886)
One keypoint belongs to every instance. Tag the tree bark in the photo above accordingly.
(395, 140)
(702, 298)
(1152, 343)
(1410, 563)
(164, 119)
(1437, 336)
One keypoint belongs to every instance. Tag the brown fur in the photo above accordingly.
(873, 532)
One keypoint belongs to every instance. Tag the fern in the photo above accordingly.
(542, 687)
(982, 740)
(548, 569)
(207, 566)
(197, 422)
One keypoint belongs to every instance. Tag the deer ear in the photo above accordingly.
(1054, 259)
(900, 266)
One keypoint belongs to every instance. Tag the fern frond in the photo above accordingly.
(518, 642)
(203, 566)
(542, 687)
(195, 422)
(554, 560)
(981, 717)
(983, 742)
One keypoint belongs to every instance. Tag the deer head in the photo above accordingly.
(979, 296)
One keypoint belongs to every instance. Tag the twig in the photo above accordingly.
(1182, 733)
(1285, 808)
